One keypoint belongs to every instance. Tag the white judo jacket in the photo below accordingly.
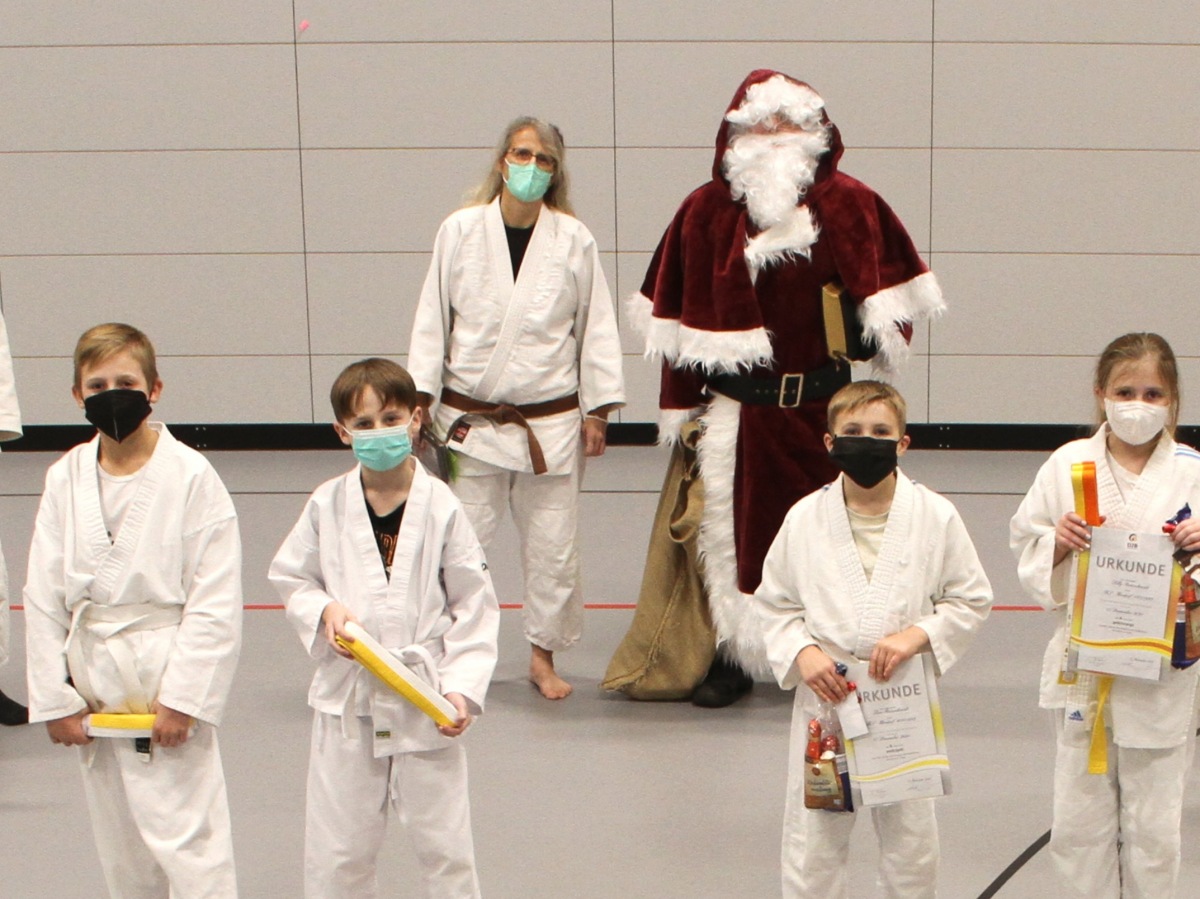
(814, 589)
(1144, 714)
(10, 412)
(439, 597)
(10, 429)
(548, 334)
(155, 612)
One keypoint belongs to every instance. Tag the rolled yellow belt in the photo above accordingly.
(371, 655)
(108, 724)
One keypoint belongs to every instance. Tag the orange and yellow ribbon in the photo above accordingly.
(1087, 507)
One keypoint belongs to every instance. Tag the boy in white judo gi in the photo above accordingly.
(870, 567)
(388, 546)
(134, 593)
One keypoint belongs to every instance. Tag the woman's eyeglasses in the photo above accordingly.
(524, 156)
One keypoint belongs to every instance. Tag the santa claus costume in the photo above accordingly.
(732, 303)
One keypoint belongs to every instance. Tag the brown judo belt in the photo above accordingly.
(509, 414)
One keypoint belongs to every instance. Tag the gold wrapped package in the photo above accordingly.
(371, 655)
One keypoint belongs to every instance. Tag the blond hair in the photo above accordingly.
(552, 142)
(102, 342)
(863, 393)
(1133, 348)
(391, 383)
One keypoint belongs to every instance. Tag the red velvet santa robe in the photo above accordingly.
(705, 313)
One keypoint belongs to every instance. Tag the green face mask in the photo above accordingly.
(527, 183)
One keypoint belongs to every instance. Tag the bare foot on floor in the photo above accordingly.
(543, 676)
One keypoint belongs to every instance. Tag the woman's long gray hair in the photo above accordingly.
(552, 141)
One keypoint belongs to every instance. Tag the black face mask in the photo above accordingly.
(865, 460)
(117, 413)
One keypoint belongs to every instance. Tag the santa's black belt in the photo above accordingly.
(787, 391)
(508, 414)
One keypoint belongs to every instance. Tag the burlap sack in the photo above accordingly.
(671, 642)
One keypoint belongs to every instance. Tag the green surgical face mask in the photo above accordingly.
(382, 449)
(527, 183)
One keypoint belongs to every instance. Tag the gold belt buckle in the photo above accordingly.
(785, 385)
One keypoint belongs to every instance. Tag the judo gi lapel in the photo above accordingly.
(88, 503)
(116, 556)
(879, 618)
(361, 537)
(520, 292)
(402, 603)
(870, 598)
(854, 579)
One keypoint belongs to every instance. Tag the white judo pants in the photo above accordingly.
(816, 848)
(162, 826)
(349, 791)
(1116, 835)
(545, 509)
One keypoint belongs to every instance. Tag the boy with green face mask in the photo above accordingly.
(386, 546)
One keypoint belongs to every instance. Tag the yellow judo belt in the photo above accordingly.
(371, 655)
(1087, 507)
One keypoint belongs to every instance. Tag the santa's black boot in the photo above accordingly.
(12, 712)
(724, 685)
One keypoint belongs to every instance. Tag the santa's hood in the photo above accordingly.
(765, 91)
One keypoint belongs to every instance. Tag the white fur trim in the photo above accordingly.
(799, 103)
(723, 352)
(639, 309)
(670, 421)
(794, 237)
(915, 299)
(662, 338)
(734, 613)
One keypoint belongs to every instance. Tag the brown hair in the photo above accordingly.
(552, 141)
(1133, 348)
(389, 381)
(104, 341)
(863, 393)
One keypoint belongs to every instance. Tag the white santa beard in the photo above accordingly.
(772, 172)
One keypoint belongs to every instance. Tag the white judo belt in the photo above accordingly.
(371, 695)
(91, 623)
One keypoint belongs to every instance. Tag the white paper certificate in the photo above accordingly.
(903, 755)
(1124, 624)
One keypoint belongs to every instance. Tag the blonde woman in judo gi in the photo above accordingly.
(134, 592)
(387, 546)
(870, 567)
(1116, 834)
(11, 711)
(516, 339)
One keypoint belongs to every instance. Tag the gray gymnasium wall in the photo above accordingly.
(262, 201)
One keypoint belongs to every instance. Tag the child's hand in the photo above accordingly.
(892, 651)
(334, 617)
(68, 731)
(819, 672)
(464, 716)
(170, 727)
(1071, 534)
(1186, 535)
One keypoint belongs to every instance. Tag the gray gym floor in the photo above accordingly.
(596, 796)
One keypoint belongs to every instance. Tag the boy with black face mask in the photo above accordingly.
(875, 568)
(134, 607)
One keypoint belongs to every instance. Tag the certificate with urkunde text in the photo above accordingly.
(1122, 622)
(903, 755)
